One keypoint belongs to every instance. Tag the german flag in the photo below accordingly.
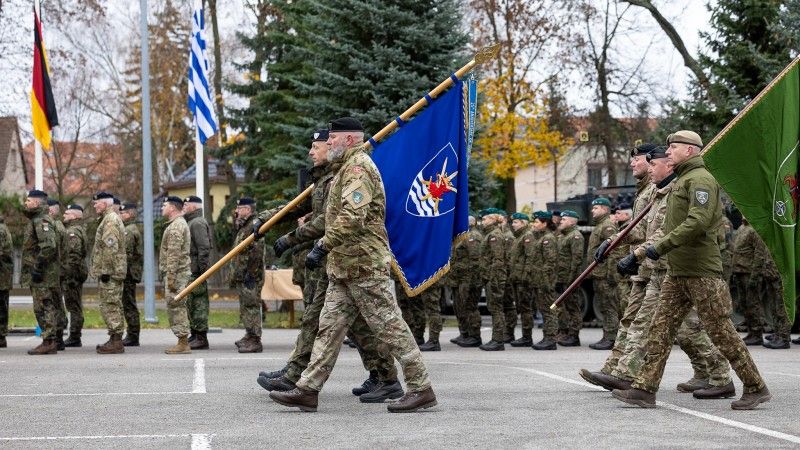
(43, 107)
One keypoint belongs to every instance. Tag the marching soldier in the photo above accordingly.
(134, 255)
(74, 271)
(200, 252)
(6, 275)
(495, 275)
(431, 300)
(748, 282)
(570, 260)
(174, 263)
(247, 272)
(543, 276)
(54, 210)
(109, 267)
(519, 281)
(41, 269)
(464, 279)
(604, 279)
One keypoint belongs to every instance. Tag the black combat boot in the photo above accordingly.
(131, 340)
(385, 390)
(471, 341)
(280, 384)
(545, 344)
(754, 338)
(602, 344)
(431, 346)
(368, 385)
(192, 336)
(60, 340)
(456, 340)
(796, 341)
(715, 392)
(200, 341)
(693, 384)
(274, 373)
(570, 341)
(777, 343)
(492, 346)
(524, 341)
(73, 340)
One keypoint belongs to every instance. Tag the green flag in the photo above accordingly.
(755, 160)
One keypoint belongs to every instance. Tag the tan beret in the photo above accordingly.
(685, 137)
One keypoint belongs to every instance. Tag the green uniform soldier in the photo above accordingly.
(431, 299)
(412, 309)
(74, 271)
(748, 282)
(6, 275)
(134, 255)
(509, 307)
(694, 278)
(773, 297)
(519, 286)
(621, 217)
(357, 246)
(543, 275)
(174, 264)
(247, 277)
(41, 269)
(495, 274)
(570, 261)
(200, 253)
(54, 210)
(604, 279)
(465, 280)
(109, 267)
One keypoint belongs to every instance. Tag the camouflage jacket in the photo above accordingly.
(520, 256)
(108, 254)
(200, 249)
(247, 268)
(6, 257)
(744, 244)
(570, 254)
(73, 261)
(494, 267)
(544, 263)
(763, 264)
(725, 238)
(174, 261)
(313, 227)
(40, 250)
(134, 252)
(355, 233)
(603, 230)
(466, 259)
(654, 222)
(61, 241)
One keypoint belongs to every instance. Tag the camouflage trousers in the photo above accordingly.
(374, 353)
(623, 293)
(176, 309)
(523, 294)
(495, 292)
(45, 310)
(413, 312)
(430, 299)
(373, 299)
(250, 308)
(570, 316)
(711, 298)
(111, 305)
(469, 318)
(545, 296)
(509, 312)
(750, 302)
(129, 307)
(3, 313)
(606, 294)
(73, 301)
(61, 310)
(197, 305)
(773, 293)
(636, 297)
(707, 361)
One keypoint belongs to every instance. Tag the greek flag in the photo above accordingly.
(199, 97)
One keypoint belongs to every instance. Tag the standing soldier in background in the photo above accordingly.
(412, 309)
(134, 255)
(174, 263)
(74, 271)
(200, 253)
(6, 275)
(465, 279)
(570, 260)
(519, 283)
(109, 267)
(431, 301)
(543, 270)
(41, 269)
(54, 209)
(495, 275)
(247, 276)
(773, 296)
(621, 218)
(509, 308)
(605, 292)
(748, 282)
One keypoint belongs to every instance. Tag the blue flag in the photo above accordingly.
(424, 171)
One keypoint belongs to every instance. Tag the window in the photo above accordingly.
(595, 175)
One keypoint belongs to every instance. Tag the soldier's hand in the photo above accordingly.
(628, 265)
(105, 278)
(314, 257)
(652, 253)
(599, 254)
(256, 226)
(281, 245)
(36, 276)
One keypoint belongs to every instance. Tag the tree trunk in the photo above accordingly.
(511, 195)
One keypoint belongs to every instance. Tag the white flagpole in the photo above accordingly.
(199, 175)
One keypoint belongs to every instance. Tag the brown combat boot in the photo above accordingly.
(241, 341)
(112, 346)
(714, 392)
(47, 347)
(414, 401)
(305, 399)
(610, 382)
(200, 341)
(693, 384)
(181, 348)
(251, 345)
(753, 399)
(638, 397)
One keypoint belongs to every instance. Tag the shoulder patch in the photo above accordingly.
(701, 196)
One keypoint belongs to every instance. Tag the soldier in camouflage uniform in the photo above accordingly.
(431, 300)
(773, 296)
(465, 280)
(109, 267)
(54, 210)
(509, 308)
(41, 269)
(174, 264)
(134, 255)
(494, 275)
(519, 287)
(621, 218)
(412, 309)
(200, 253)
(747, 282)
(603, 278)
(6, 275)
(247, 277)
(543, 275)
(570, 261)
(694, 278)
(358, 270)
(74, 271)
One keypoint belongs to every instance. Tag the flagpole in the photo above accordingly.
(147, 176)
(38, 157)
(199, 168)
(484, 54)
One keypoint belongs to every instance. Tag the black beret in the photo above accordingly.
(643, 149)
(624, 206)
(37, 194)
(659, 152)
(320, 135)
(174, 199)
(193, 199)
(128, 206)
(75, 207)
(246, 201)
(53, 202)
(345, 124)
(102, 195)
(117, 201)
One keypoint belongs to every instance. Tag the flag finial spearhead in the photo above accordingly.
(487, 53)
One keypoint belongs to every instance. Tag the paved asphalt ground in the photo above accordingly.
(510, 399)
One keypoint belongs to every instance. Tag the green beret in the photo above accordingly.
(520, 216)
(569, 213)
(544, 215)
(601, 201)
(484, 212)
(502, 212)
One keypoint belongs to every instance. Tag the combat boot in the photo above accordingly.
(714, 392)
(693, 384)
(471, 341)
(181, 348)
(524, 341)
(47, 347)
(610, 382)
(456, 340)
(280, 384)
(431, 346)
(591, 377)
(112, 346)
(492, 346)
(638, 397)
(777, 343)
(385, 390)
(602, 344)
(131, 340)
(753, 339)
(241, 341)
(414, 401)
(796, 341)
(274, 373)
(3, 343)
(192, 336)
(545, 344)
(419, 340)
(770, 337)
(200, 341)
(60, 340)
(367, 386)
(73, 340)
(570, 341)
(251, 345)
(753, 399)
(306, 400)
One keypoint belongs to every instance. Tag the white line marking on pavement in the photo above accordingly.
(199, 382)
(94, 394)
(121, 436)
(201, 441)
(731, 423)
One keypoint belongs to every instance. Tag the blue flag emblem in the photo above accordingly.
(424, 171)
